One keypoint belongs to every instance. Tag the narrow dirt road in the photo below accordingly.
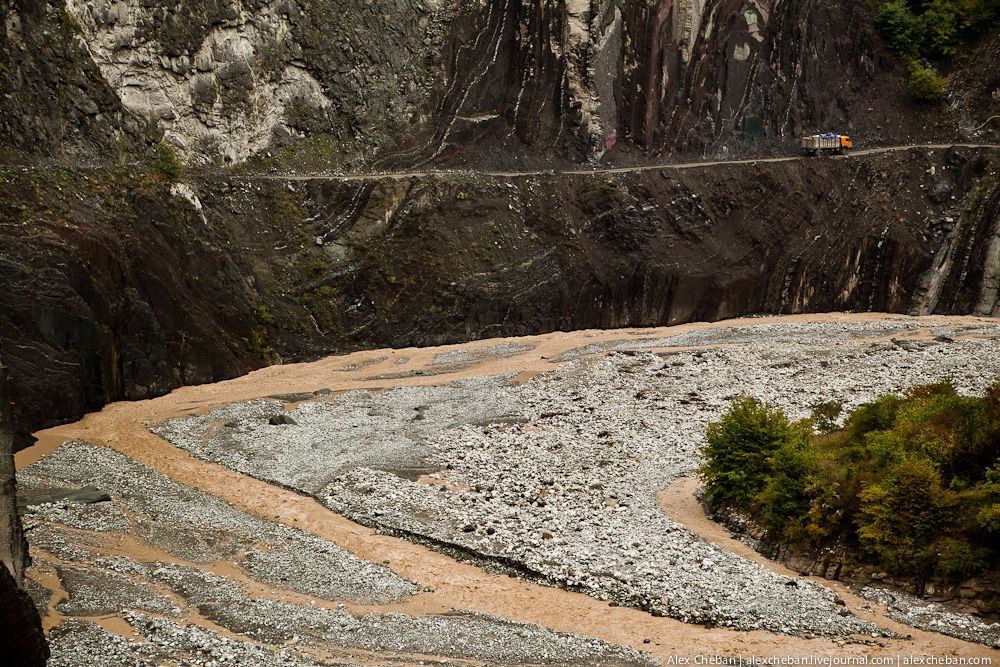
(666, 166)
(454, 584)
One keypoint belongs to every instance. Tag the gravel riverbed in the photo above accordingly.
(557, 477)
(171, 609)
(931, 616)
(553, 479)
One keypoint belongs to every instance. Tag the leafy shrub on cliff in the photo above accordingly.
(903, 29)
(936, 28)
(975, 17)
(941, 28)
(167, 162)
(926, 84)
(910, 483)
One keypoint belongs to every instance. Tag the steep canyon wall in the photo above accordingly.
(122, 277)
(123, 285)
(402, 83)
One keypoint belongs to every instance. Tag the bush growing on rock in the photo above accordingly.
(785, 501)
(936, 28)
(901, 516)
(939, 30)
(167, 162)
(926, 84)
(903, 29)
(909, 483)
(988, 516)
(941, 27)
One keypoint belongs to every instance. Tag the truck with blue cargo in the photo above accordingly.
(831, 142)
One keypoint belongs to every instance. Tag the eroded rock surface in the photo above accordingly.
(24, 643)
(407, 82)
(123, 286)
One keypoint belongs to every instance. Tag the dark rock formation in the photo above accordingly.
(123, 285)
(83, 496)
(13, 546)
(753, 76)
(55, 101)
(23, 642)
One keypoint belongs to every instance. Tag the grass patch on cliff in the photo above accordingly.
(910, 483)
(258, 342)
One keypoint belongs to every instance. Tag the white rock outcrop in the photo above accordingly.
(219, 102)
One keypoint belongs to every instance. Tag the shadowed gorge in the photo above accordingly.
(149, 284)
(191, 190)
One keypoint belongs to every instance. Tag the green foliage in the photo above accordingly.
(903, 29)
(988, 516)
(264, 316)
(926, 85)
(167, 162)
(910, 483)
(976, 17)
(958, 559)
(259, 340)
(825, 415)
(875, 416)
(784, 502)
(939, 29)
(900, 517)
(738, 448)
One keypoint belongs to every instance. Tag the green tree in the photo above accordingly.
(976, 17)
(738, 448)
(901, 517)
(903, 29)
(957, 558)
(909, 482)
(784, 502)
(825, 415)
(988, 516)
(926, 85)
(167, 162)
(941, 21)
(878, 415)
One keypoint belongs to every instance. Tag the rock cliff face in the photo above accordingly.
(24, 643)
(408, 82)
(55, 101)
(124, 285)
(226, 79)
